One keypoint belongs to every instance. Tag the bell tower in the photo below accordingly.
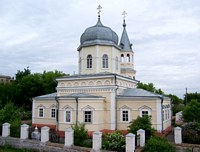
(127, 54)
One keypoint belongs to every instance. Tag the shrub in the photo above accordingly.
(114, 141)
(80, 134)
(142, 123)
(158, 144)
(191, 133)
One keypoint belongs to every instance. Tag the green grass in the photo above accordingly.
(8, 148)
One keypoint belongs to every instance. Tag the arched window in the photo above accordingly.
(122, 57)
(89, 61)
(132, 59)
(128, 58)
(105, 61)
(116, 63)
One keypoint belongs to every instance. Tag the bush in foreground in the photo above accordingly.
(114, 141)
(80, 135)
(158, 144)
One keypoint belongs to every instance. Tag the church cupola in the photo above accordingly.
(99, 51)
(99, 34)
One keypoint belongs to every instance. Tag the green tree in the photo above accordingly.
(142, 123)
(175, 100)
(7, 93)
(191, 96)
(191, 113)
(177, 104)
(49, 83)
(20, 74)
(80, 134)
(10, 114)
(150, 87)
(158, 144)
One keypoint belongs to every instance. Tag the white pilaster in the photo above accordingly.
(178, 135)
(69, 137)
(97, 141)
(44, 134)
(130, 142)
(113, 111)
(159, 115)
(24, 131)
(6, 130)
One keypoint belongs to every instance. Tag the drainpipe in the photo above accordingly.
(57, 112)
(116, 102)
(76, 110)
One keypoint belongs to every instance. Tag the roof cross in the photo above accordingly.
(99, 10)
(124, 14)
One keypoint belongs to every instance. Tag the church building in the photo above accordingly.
(103, 95)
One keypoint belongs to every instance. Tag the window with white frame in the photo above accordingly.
(41, 112)
(89, 61)
(145, 113)
(88, 116)
(53, 113)
(105, 61)
(116, 63)
(125, 115)
(68, 116)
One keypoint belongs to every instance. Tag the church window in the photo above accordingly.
(80, 65)
(105, 61)
(145, 113)
(132, 59)
(128, 57)
(68, 116)
(89, 61)
(116, 63)
(41, 112)
(125, 115)
(53, 113)
(88, 116)
(122, 57)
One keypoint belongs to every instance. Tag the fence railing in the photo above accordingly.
(45, 134)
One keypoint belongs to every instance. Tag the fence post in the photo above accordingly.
(6, 130)
(178, 135)
(141, 132)
(24, 131)
(130, 142)
(44, 134)
(97, 141)
(69, 137)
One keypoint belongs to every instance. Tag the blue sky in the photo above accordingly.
(45, 35)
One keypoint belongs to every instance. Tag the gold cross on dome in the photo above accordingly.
(124, 14)
(99, 8)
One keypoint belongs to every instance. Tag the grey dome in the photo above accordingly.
(99, 34)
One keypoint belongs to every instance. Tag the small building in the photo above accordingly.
(5, 79)
(103, 95)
